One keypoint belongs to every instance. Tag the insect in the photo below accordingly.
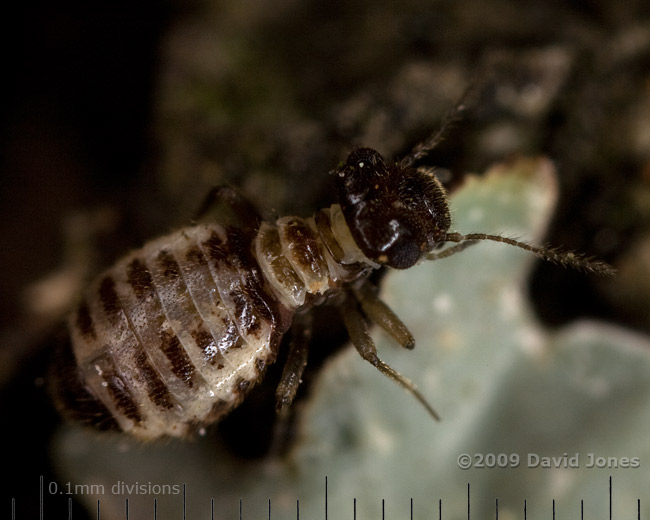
(173, 336)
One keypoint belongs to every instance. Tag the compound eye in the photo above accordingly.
(403, 252)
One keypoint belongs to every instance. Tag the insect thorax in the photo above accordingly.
(309, 256)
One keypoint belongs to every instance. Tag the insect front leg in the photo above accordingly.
(228, 207)
(357, 328)
(377, 311)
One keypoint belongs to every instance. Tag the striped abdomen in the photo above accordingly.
(174, 334)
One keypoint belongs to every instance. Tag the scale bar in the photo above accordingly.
(326, 504)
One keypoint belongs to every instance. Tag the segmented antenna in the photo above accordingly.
(554, 255)
(423, 148)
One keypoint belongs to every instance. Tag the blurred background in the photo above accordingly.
(117, 119)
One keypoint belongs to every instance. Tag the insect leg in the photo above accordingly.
(382, 315)
(296, 361)
(228, 207)
(358, 331)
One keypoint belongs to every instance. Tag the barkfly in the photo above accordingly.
(172, 336)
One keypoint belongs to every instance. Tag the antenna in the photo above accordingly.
(423, 148)
(554, 255)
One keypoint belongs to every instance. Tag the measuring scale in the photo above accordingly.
(430, 513)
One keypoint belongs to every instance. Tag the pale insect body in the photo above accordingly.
(173, 335)
(156, 342)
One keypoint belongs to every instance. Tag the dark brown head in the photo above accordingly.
(396, 214)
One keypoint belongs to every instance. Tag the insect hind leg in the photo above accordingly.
(294, 366)
(228, 207)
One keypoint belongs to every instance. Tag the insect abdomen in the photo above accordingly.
(172, 336)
